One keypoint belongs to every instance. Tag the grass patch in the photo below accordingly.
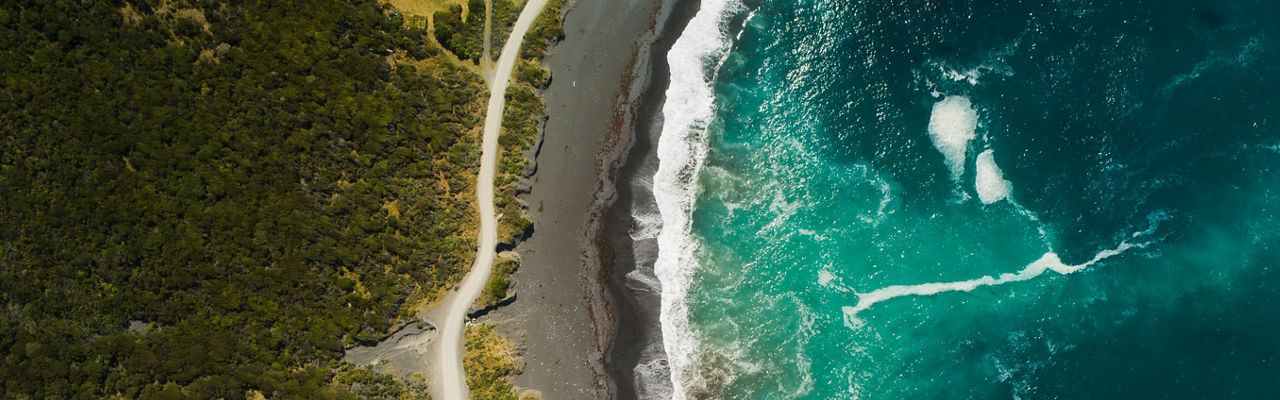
(424, 7)
(490, 362)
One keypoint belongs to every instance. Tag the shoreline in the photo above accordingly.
(628, 251)
(564, 324)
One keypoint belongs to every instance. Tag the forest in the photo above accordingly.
(209, 199)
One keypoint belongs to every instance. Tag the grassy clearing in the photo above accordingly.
(489, 363)
(425, 7)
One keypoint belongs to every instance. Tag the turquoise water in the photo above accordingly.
(951, 199)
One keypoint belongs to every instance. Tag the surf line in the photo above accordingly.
(1048, 262)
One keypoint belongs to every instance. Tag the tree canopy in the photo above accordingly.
(207, 199)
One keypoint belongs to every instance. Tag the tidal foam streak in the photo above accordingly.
(682, 147)
(1048, 262)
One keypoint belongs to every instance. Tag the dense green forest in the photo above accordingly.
(207, 199)
(464, 38)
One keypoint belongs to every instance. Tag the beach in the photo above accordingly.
(637, 358)
(605, 81)
(583, 318)
(640, 199)
(826, 205)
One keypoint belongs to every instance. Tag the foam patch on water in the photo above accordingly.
(828, 279)
(951, 126)
(782, 209)
(990, 182)
(970, 75)
(681, 150)
(1047, 262)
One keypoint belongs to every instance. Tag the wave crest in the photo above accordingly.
(682, 146)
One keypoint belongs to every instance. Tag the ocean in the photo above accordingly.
(970, 199)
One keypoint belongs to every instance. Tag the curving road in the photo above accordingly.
(452, 379)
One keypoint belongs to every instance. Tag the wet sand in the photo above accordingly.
(563, 321)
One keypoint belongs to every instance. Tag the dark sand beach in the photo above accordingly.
(632, 289)
(581, 321)
(576, 319)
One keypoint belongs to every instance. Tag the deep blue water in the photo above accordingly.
(867, 171)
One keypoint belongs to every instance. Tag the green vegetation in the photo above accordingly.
(504, 18)
(263, 183)
(463, 38)
(520, 122)
(499, 282)
(490, 359)
(547, 29)
(251, 186)
(374, 386)
(524, 112)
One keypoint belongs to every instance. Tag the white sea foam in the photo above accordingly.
(647, 283)
(1153, 221)
(804, 366)
(825, 277)
(990, 182)
(972, 74)
(951, 126)
(746, 21)
(681, 151)
(653, 376)
(1048, 262)
(646, 226)
(886, 197)
(781, 208)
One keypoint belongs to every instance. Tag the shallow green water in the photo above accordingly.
(852, 228)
